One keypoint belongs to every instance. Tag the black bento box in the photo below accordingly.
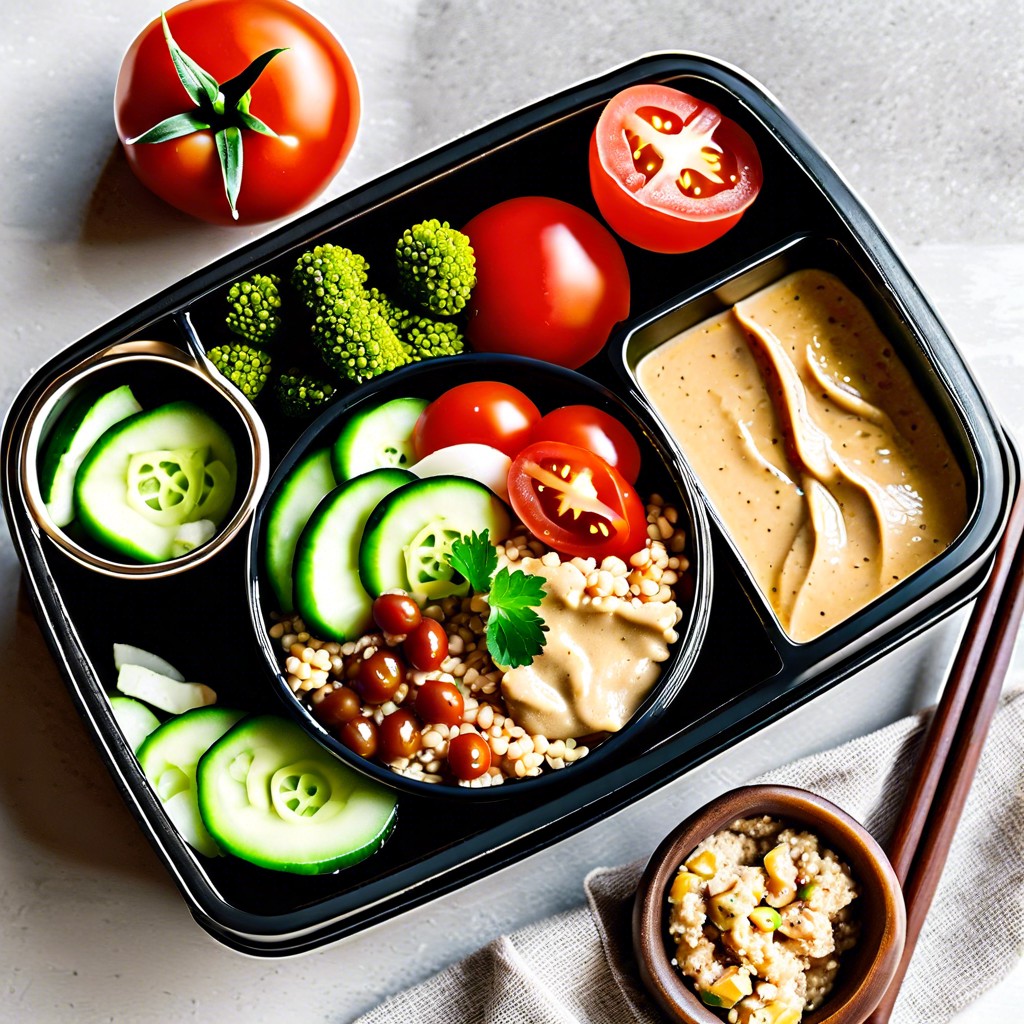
(805, 214)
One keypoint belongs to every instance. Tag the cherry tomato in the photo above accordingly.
(586, 426)
(668, 172)
(426, 646)
(396, 613)
(482, 412)
(341, 705)
(307, 94)
(574, 501)
(551, 281)
(469, 756)
(440, 703)
(360, 736)
(399, 735)
(379, 676)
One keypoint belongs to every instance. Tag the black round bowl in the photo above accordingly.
(550, 387)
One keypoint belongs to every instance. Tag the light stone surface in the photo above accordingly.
(919, 105)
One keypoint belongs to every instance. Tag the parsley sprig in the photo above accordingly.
(515, 632)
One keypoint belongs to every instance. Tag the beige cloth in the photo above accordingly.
(577, 968)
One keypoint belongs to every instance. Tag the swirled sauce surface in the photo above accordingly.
(816, 448)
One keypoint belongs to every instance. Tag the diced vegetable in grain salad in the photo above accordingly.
(761, 916)
(457, 640)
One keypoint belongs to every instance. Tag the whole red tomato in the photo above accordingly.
(481, 412)
(307, 94)
(551, 281)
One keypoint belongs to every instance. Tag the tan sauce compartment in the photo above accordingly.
(818, 452)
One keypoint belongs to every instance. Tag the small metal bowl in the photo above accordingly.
(865, 970)
(159, 372)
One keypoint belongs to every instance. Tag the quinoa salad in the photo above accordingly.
(402, 730)
(760, 914)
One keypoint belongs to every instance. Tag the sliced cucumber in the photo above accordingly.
(169, 757)
(409, 535)
(288, 513)
(163, 692)
(377, 438)
(328, 594)
(270, 794)
(77, 430)
(196, 452)
(135, 720)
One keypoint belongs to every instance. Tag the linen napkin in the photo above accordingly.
(578, 966)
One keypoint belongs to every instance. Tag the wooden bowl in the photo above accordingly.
(865, 970)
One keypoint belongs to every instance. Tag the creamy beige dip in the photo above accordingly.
(817, 450)
(599, 662)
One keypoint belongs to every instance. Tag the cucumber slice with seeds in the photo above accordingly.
(328, 595)
(377, 438)
(270, 794)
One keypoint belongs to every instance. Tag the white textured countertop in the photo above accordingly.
(920, 107)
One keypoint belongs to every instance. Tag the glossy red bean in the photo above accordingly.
(396, 613)
(438, 702)
(379, 676)
(360, 736)
(341, 705)
(469, 756)
(399, 735)
(426, 646)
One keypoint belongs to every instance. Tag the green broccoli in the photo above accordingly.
(426, 338)
(254, 304)
(391, 311)
(355, 341)
(299, 394)
(246, 367)
(329, 273)
(436, 266)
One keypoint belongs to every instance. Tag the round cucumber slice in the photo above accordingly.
(328, 593)
(377, 438)
(287, 513)
(409, 535)
(101, 486)
(134, 719)
(270, 794)
(77, 430)
(168, 758)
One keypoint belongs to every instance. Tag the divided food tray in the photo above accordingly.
(805, 216)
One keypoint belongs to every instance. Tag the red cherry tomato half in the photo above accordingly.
(668, 172)
(586, 426)
(308, 95)
(469, 756)
(574, 501)
(551, 281)
(484, 412)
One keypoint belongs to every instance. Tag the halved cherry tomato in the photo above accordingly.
(551, 281)
(575, 502)
(668, 172)
(599, 432)
(483, 411)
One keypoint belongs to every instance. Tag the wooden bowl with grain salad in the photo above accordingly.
(477, 718)
(769, 905)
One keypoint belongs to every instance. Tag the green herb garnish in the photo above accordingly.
(515, 632)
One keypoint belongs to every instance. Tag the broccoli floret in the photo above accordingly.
(426, 338)
(391, 311)
(299, 394)
(254, 304)
(246, 367)
(357, 342)
(436, 266)
(329, 273)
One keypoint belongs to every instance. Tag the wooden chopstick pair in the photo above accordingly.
(952, 746)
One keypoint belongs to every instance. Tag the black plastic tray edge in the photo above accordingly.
(653, 66)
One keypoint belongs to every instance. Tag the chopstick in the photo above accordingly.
(952, 747)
